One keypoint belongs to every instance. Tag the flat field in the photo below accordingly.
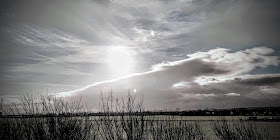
(139, 127)
(206, 123)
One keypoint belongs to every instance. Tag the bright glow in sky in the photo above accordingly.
(120, 60)
(152, 33)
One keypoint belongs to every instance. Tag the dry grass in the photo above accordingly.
(240, 130)
(52, 118)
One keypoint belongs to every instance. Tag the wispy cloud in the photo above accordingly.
(54, 44)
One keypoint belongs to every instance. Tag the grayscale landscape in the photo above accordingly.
(139, 70)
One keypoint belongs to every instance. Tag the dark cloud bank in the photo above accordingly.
(216, 78)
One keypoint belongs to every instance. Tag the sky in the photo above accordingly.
(187, 54)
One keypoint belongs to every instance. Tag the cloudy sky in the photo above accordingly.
(173, 53)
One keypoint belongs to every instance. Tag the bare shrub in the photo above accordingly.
(126, 120)
(121, 120)
(46, 118)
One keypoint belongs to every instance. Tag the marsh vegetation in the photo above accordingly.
(49, 118)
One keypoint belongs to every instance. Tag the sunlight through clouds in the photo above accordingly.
(120, 60)
(165, 49)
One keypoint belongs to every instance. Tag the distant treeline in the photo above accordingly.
(256, 111)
